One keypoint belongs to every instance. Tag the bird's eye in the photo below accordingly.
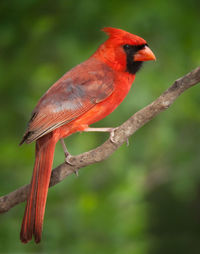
(126, 46)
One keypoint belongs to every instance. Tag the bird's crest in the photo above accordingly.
(122, 37)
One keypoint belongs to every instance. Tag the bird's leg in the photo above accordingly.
(67, 155)
(110, 130)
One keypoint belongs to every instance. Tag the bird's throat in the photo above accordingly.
(133, 66)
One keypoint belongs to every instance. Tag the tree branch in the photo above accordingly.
(124, 131)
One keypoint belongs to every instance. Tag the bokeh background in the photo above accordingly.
(145, 198)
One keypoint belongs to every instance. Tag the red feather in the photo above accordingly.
(83, 96)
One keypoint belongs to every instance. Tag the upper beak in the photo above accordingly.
(144, 54)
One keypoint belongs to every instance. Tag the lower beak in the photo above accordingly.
(144, 54)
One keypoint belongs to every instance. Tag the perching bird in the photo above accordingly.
(84, 95)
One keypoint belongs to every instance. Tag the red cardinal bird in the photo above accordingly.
(83, 96)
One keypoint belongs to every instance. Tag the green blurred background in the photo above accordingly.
(144, 198)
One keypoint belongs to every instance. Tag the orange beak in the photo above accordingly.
(144, 54)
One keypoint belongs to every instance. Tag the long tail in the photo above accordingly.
(35, 207)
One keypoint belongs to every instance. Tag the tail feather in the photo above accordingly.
(34, 213)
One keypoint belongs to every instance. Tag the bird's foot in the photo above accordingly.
(112, 134)
(68, 156)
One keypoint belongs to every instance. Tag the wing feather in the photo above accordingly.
(70, 97)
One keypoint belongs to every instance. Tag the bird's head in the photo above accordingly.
(124, 51)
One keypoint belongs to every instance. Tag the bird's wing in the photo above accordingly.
(69, 98)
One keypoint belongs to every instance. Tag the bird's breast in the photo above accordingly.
(100, 110)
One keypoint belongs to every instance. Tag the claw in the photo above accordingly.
(68, 156)
(112, 134)
(67, 160)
